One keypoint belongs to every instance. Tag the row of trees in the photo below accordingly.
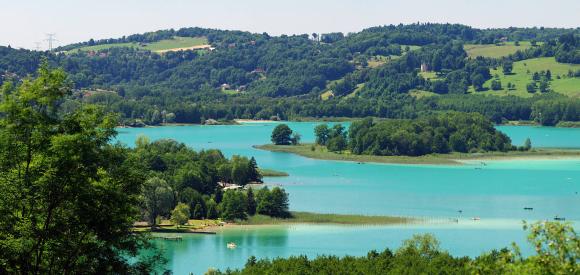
(234, 205)
(238, 205)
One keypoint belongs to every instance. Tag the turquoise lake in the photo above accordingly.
(496, 192)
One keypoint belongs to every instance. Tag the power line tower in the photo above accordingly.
(37, 46)
(50, 37)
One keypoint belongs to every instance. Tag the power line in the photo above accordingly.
(50, 37)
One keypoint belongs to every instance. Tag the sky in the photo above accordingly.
(24, 22)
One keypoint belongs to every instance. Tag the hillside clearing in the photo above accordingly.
(175, 44)
(495, 51)
(522, 75)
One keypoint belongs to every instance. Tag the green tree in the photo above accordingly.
(296, 137)
(280, 203)
(251, 202)
(273, 203)
(281, 135)
(198, 212)
(158, 198)
(180, 215)
(544, 86)
(477, 82)
(507, 67)
(531, 87)
(212, 210)
(322, 134)
(337, 144)
(218, 195)
(68, 197)
(496, 85)
(233, 206)
(528, 144)
(254, 174)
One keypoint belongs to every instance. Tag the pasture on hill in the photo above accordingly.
(495, 51)
(174, 44)
(522, 74)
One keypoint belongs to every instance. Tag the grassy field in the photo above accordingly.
(197, 226)
(192, 225)
(159, 46)
(272, 173)
(315, 218)
(418, 94)
(494, 51)
(320, 152)
(429, 75)
(522, 75)
(379, 60)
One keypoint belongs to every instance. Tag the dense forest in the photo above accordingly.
(443, 133)
(247, 75)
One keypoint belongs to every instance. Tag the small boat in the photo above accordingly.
(528, 208)
(476, 218)
(559, 218)
(232, 245)
(460, 211)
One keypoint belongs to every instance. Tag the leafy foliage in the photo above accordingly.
(69, 198)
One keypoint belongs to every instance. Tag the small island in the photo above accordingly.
(443, 139)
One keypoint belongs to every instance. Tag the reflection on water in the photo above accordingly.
(197, 253)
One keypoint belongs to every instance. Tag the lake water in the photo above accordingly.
(497, 192)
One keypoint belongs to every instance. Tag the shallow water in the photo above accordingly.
(497, 192)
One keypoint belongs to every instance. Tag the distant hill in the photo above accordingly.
(395, 71)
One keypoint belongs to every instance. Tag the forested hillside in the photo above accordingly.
(402, 71)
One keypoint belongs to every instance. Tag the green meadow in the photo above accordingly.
(522, 75)
(495, 51)
(162, 45)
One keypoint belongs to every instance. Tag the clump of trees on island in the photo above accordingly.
(179, 175)
(283, 135)
(440, 134)
(443, 133)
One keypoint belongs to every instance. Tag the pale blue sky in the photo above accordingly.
(24, 22)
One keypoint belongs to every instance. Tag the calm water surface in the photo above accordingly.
(497, 192)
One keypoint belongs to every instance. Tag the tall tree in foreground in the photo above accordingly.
(67, 197)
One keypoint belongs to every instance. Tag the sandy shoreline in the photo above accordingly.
(248, 121)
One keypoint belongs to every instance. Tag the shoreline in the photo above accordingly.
(562, 124)
(319, 152)
(259, 221)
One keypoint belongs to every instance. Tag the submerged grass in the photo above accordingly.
(320, 152)
(272, 173)
(316, 218)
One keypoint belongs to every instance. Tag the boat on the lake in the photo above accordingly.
(559, 218)
(476, 218)
(528, 208)
(232, 245)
